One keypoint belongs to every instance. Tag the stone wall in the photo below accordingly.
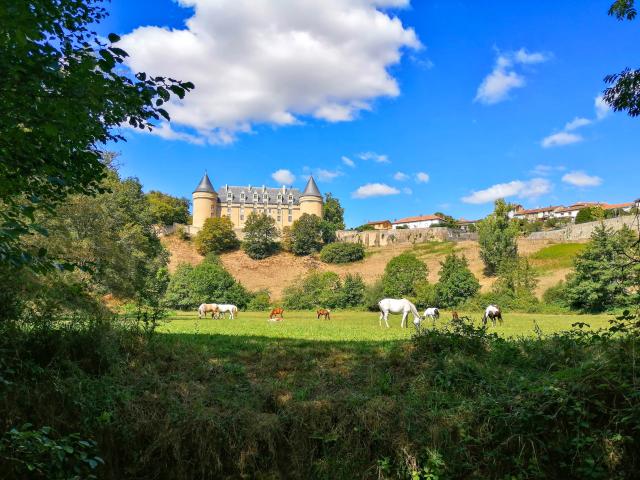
(381, 238)
(583, 231)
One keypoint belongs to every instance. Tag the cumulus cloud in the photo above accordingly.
(327, 175)
(422, 177)
(374, 190)
(560, 139)
(376, 157)
(602, 109)
(581, 179)
(522, 189)
(273, 62)
(348, 162)
(577, 123)
(503, 78)
(283, 176)
(400, 176)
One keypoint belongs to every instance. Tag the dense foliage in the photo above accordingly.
(497, 238)
(402, 274)
(590, 214)
(217, 236)
(166, 209)
(260, 235)
(456, 283)
(342, 252)
(324, 290)
(306, 235)
(207, 282)
(332, 212)
(63, 93)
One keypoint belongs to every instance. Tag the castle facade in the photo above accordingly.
(284, 205)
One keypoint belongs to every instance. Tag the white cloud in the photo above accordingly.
(576, 123)
(422, 177)
(503, 78)
(545, 170)
(327, 175)
(581, 179)
(348, 162)
(283, 177)
(522, 189)
(400, 176)
(376, 157)
(602, 108)
(561, 138)
(264, 61)
(374, 190)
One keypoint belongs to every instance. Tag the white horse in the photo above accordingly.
(205, 308)
(492, 312)
(433, 313)
(232, 310)
(393, 305)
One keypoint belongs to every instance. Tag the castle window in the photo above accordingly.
(279, 197)
(242, 196)
(290, 218)
(290, 197)
(229, 211)
(265, 197)
(241, 216)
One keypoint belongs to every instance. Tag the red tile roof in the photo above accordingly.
(537, 210)
(611, 206)
(419, 218)
(376, 222)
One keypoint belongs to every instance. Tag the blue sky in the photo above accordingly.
(479, 96)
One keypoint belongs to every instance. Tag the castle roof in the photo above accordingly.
(205, 185)
(311, 190)
(248, 195)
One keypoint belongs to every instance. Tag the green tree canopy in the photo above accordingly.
(402, 274)
(260, 234)
(63, 92)
(166, 209)
(216, 236)
(590, 214)
(497, 237)
(306, 235)
(332, 212)
(456, 283)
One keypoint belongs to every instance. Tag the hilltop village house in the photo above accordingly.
(285, 205)
(562, 212)
(420, 221)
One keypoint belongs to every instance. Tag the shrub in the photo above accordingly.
(555, 295)
(373, 293)
(497, 238)
(316, 289)
(353, 291)
(456, 283)
(181, 233)
(286, 240)
(342, 252)
(426, 295)
(207, 282)
(216, 236)
(401, 275)
(260, 234)
(590, 214)
(260, 300)
(306, 235)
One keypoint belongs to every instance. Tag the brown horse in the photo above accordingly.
(324, 312)
(277, 312)
(454, 316)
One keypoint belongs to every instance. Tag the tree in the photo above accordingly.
(516, 279)
(590, 214)
(497, 238)
(166, 209)
(456, 283)
(306, 235)
(332, 212)
(63, 92)
(216, 236)
(260, 234)
(624, 92)
(447, 221)
(401, 275)
(603, 277)
(353, 290)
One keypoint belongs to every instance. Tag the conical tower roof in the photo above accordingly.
(205, 185)
(311, 190)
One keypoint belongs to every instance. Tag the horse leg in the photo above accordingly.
(386, 317)
(404, 319)
(380, 319)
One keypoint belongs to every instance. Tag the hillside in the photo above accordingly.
(553, 261)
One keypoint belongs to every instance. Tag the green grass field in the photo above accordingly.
(354, 326)
(556, 256)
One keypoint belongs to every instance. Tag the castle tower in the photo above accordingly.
(205, 202)
(311, 199)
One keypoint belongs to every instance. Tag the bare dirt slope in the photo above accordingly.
(277, 272)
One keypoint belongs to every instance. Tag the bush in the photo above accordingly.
(325, 289)
(497, 238)
(207, 282)
(402, 274)
(306, 235)
(181, 233)
(260, 234)
(286, 240)
(373, 293)
(590, 214)
(556, 295)
(342, 252)
(456, 283)
(216, 236)
(426, 295)
(353, 291)
(259, 301)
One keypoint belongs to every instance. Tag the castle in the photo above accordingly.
(284, 205)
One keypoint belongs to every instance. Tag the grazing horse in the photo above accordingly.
(433, 313)
(277, 312)
(205, 308)
(454, 315)
(403, 306)
(232, 310)
(324, 312)
(492, 312)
